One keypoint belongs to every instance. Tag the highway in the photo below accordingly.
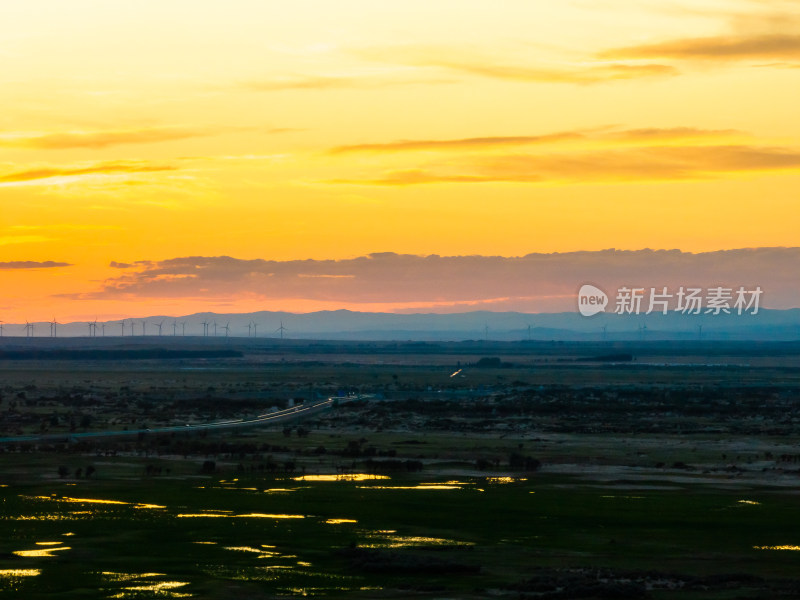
(280, 416)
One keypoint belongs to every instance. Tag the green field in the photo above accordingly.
(212, 537)
(543, 480)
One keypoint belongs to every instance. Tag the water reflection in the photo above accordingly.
(262, 553)
(40, 552)
(113, 576)
(141, 582)
(339, 521)
(68, 516)
(406, 541)
(12, 573)
(340, 477)
(162, 588)
(786, 547)
(270, 516)
(422, 486)
(70, 499)
(505, 479)
(216, 515)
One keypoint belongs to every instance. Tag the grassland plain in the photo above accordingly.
(541, 478)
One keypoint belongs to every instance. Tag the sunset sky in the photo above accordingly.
(139, 135)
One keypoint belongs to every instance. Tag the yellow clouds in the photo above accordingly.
(720, 48)
(602, 135)
(50, 175)
(321, 83)
(464, 143)
(634, 155)
(580, 74)
(98, 139)
(530, 68)
(7, 240)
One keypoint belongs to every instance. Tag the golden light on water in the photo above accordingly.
(430, 486)
(400, 541)
(340, 521)
(210, 515)
(260, 551)
(163, 588)
(114, 576)
(69, 516)
(92, 500)
(270, 516)
(343, 477)
(40, 552)
(8, 573)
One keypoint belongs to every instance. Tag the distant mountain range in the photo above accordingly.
(777, 325)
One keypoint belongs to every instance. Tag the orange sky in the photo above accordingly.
(150, 131)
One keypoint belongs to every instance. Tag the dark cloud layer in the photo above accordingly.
(32, 264)
(533, 282)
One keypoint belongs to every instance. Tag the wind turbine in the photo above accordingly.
(183, 328)
(1, 329)
(486, 331)
(281, 329)
(144, 328)
(54, 328)
(249, 328)
(255, 329)
(174, 328)
(227, 329)
(159, 325)
(90, 324)
(605, 331)
(28, 329)
(215, 329)
(122, 328)
(205, 328)
(103, 328)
